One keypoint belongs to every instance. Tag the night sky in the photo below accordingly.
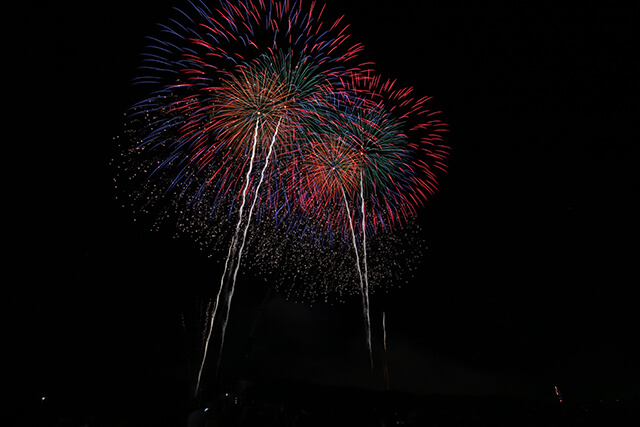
(530, 274)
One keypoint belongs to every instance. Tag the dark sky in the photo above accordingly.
(528, 280)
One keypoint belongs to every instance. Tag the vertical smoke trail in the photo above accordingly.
(232, 250)
(364, 300)
(365, 290)
(384, 344)
(244, 238)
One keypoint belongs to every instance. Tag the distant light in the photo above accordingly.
(43, 397)
(558, 394)
(206, 409)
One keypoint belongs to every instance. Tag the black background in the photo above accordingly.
(530, 274)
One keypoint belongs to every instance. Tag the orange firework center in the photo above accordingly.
(249, 97)
(330, 171)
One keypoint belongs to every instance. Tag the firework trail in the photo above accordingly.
(244, 238)
(230, 257)
(363, 289)
(384, 344)
(233, 250)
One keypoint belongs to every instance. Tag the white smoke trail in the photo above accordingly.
(364, 299)
(365, 290)
(232, 250)
(384, 344)
(244, 238)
